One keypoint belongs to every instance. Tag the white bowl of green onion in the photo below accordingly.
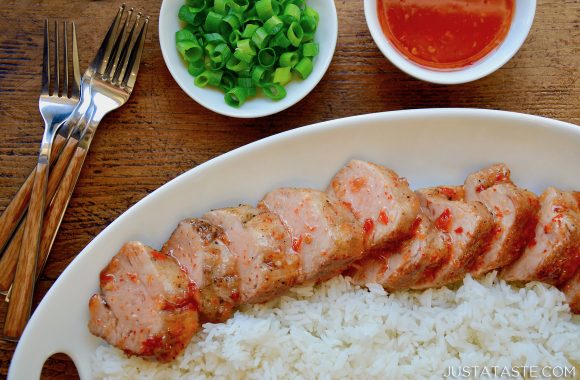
(247, 58)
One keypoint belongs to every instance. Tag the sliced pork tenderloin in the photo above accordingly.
(413, 263)
(265, 261)
(147, 305)
(379, 199)
(200, 248)
(514, 210)
(553, 254)
(324, 233)
(468, 227)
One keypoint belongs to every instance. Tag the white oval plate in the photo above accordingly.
(213, 99)
(439, 146)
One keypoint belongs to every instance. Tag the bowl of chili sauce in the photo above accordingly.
(449, 41)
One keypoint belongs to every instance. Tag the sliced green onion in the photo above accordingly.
(267, 57)
(248, 85)
(307, 37)
(249, 30)
(300, 3)
(229, 24)
(251, 13)
(260, 75)
(274, 91)
(236, 65)
(228, 81)
(280, 40)
(211, 78)
(236, 97)
(241, 45)
(273, 25)
(244, 57)
(303, 68)
(253, 19)
(244, 51)
(190, 16)
(212, 22)
(245, 73)
(292, 11)
(260, 38)
(238, 6)
(235, 36)
(190, 50)
(289, 59)
(310, 49)
(220, 56)
(282, 76)
(219, 6)
(311, 12)
(267, 8)
(295, 34)
(197, 31)
(308, 24)
(184, 35)
(214, 39)
(198, 5)
(195, 68)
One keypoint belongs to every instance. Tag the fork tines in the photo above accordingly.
(53, 85)
(124, 51)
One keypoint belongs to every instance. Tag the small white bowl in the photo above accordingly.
(258, 106)
(519, 29)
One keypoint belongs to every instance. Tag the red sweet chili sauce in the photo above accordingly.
(445, 34)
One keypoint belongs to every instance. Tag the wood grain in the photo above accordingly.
(17, 207)
(161, 132)
(55, 212)
(9, 259)
(25, 276)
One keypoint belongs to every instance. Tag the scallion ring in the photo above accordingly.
(295, 34)
(267, 57)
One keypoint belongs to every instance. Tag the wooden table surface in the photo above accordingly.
(161, 132)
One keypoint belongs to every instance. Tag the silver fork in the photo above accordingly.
(16, 209)
(66, 141)
(112, 74)
(56, 103)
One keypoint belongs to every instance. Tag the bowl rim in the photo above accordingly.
(320, 69)
(487, 65)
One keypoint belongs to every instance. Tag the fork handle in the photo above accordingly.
(55, 211)
(16, 209)
(10, 257)
(25, 277)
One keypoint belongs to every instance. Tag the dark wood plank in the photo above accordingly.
(161, 132)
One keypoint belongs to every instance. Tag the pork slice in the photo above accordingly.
(200, 248)
(514, 211)
(147, 306)
(572, 291)
(380, 200)
(468, 227)
(553, 255)
(414, 263)
(266, 263)
(324, 233)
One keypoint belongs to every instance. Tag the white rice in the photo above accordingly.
(337, 330)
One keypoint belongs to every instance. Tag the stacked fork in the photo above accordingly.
(71, 119)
